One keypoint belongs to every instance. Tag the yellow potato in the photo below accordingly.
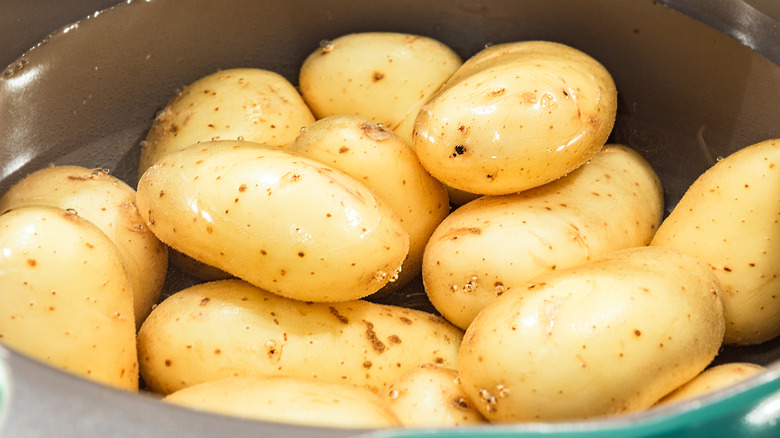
(713, 379)
(610, 336)
(730, 218)
(64, 296)
(231, 328)
(385, 163)
(497, 243)
(289, 400)
(431, 396)
(529, 114)
(110, 204)
(380, 76)
(251, 104)
(285, 223)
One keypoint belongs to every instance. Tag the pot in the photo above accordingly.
(696, 81)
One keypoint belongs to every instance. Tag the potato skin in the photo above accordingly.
(529, 114)
(606, 337)
(289, 400)
(497, 243)
(231, 328)
(730, 218)
(245, 103)
(430, 395)
(381, 76)
(385, 163)
(713, 379)
(65, 298)
(110, 204)
(288, 224)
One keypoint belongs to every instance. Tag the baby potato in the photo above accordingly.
(65, 298)
(285, 223)
(527, 115)
(497, 243)
(713, 379)
(110, 204)
(730, 218)
(431, 396)
(381, 160)
(610, 336)
(231, 328)
(381, 76)
(244, 103)
(289, 400)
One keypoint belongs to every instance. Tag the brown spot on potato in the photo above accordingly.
(637, 332)
(343, 150)
(394, 339)
(375, 342)
(167, 362)
(367, 364)
(32, 262)
(405, 320)
(341, 318)
(242, 188)
(204, 301)
(377, 76)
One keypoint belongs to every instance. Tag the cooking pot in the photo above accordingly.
(696, 81)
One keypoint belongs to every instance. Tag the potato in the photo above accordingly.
(730, 218)
(713, 379)
(65, 298)
(385, 163)
(289, 400)
(231, 328)
(498, 243)
(527, 115)
(110, 204)
(431, 396)
(285, 223)
(381, 76)
(245, 103)
(609, 336)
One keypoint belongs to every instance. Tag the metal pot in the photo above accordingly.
(696, 81)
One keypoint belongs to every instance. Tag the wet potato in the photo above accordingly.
(231, 328)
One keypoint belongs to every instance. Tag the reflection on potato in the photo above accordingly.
(713, 379)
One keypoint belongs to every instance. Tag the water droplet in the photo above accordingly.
(326, 46)
(395, 275)
(500, 288)
(393, 394)
(13, 69)
(72, 211)
(304, 129)
(454, 287)
(503, 391)
(380, 275)
(719, 158)
(471, 285)
(240, 138)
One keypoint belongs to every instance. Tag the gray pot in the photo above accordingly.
(697, 80)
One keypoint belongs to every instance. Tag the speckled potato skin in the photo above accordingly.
(289, 400)
(381, 76)
(495, 244)
(522, 116)
(430, 395)
(253, 104)
(110, 204)
(285, 223)
(65, 298)
(713, 379)
(610, 336)
(385, 163)
(730, 218)
(231, 328)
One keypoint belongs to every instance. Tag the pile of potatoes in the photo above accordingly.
(561, 291)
